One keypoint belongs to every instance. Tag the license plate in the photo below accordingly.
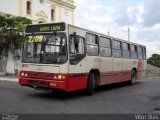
(38, 83)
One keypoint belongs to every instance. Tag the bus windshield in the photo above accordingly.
(45, 49)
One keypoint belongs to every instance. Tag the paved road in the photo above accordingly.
(143, 97)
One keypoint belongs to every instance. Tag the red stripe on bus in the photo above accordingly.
(74, 81)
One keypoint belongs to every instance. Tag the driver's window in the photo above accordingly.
(77, 49)
(81, 45)
(72, 45)
(76, 45)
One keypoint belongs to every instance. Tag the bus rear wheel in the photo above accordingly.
(133, 77)
(90, 84)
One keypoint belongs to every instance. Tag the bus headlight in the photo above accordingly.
(22, 74)
(25, 74)
(63, 77)
(59, 77)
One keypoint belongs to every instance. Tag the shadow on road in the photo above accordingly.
(114, 86)
(51, 95)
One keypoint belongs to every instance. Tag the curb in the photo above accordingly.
(151, 78)
(8, 79)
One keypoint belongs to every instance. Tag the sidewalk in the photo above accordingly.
(11, 78)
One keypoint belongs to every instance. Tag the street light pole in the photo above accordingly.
(128, 34)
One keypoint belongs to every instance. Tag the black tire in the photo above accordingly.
(133, 77)
(90, 84)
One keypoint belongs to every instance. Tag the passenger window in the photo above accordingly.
(140, 55)
(76, 45)
(92, 44)
(105, 46)
(105, 42)
(72, 45)
(116, 49)
(116, 44)
(81, 46)
(133, 51)
(126, 50)
(91, 39)
(144, 53)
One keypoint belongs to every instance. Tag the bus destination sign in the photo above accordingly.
(45, 28)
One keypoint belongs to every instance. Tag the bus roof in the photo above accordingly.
(104, 35)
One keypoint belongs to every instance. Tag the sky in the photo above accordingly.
(116, 16)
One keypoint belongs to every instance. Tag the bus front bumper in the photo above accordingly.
(70, 84)
(41, 83)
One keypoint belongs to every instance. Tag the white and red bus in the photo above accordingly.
(66, 57)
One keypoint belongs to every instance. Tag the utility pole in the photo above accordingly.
(129, 34)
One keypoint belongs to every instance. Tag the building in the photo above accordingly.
(40, 11)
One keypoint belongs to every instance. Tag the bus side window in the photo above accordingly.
(105, 47)
(140, 54)
(144, 53)
(81, 47)
(92, 44)
(72, 44)
(76, 45)
(133, 51)
(116, 49)
(126, 50)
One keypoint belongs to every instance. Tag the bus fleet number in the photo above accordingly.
(35, 39)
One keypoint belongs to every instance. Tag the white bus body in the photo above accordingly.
(74, 58)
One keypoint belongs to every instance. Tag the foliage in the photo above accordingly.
(154, 60)
(11, 32)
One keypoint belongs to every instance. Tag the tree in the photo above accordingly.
(11, 34)
(154, 60)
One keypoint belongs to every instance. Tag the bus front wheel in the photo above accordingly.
(90, 84)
